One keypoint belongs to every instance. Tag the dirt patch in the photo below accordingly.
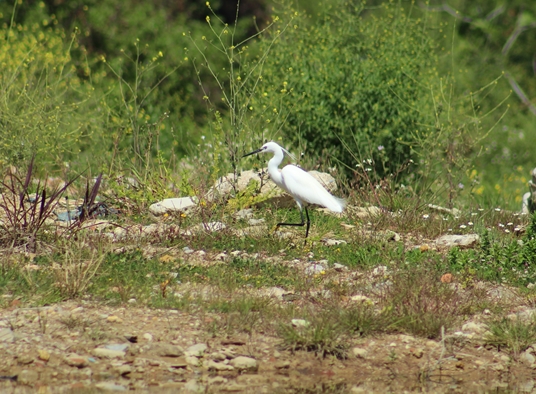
(53, 349)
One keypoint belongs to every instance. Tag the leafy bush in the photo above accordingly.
(352, 86)
(43, 98)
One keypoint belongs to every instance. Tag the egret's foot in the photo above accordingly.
(276, 228)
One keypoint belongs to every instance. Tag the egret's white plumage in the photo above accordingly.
(298, 183)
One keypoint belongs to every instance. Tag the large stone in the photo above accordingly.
(167, 350)
(269, 191)
(181, 204)
(108, 353)
(359, 352)
(110, 386)
(196, 350)
(463, 241)
(74, 360)
(214, 366)
(193, 386)
(243, 363)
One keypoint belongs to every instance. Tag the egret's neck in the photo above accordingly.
(273, 165)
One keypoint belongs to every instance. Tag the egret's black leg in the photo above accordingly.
(308, 223)
(300, 224)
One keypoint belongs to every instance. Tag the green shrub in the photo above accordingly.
(43, 97)
(352, 86)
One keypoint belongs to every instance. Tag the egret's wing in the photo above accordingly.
(305, 188)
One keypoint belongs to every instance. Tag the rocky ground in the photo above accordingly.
(88, 347)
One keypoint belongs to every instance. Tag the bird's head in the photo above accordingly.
(270, 147)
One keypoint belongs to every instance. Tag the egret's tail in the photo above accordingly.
(336, 204)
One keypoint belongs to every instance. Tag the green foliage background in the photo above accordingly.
(115, 85)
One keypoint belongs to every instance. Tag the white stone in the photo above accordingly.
(108, 353)
(196, 350)
(243, 363)
(527, 358)
(300, 323)
(477, 328)
(214, 366)
(148, 337)
(359, 352)
(315, 269)
(172, 205)
(361, 299)
(451, 240)
(192, 386)
(110, 386)
(333, 242)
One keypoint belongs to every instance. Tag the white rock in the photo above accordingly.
(453, 211)
(275, 292)
(359, 352)
(451, 240)
(208, 227)
(196, 350)
(192, 386)
(214, 366)
(110, 386)
(361, 299)
(339, 267)
(244, 214)
(172, 205)
(314, 269)
(477, 328)
(192, 360)
(256, 222)
(380, 270)
(108, 353)
(148, 337)
(243, 363)
(333, 242)
(300, 323)
(122, 347)
(527, 358)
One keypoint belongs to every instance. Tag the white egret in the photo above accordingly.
(299, 184)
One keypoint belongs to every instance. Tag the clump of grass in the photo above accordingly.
(72, 322)
(243, 313)
(76, 270)
(362, 320)
(416, 301)
(322, 334)
(515, 334)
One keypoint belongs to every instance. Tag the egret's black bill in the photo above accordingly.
(252, 153)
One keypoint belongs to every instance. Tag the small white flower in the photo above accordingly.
(426, 216)
(507, 231)
(498, 209)
(509, 224)
(463, 226)
(501, 225)
(470, 223)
